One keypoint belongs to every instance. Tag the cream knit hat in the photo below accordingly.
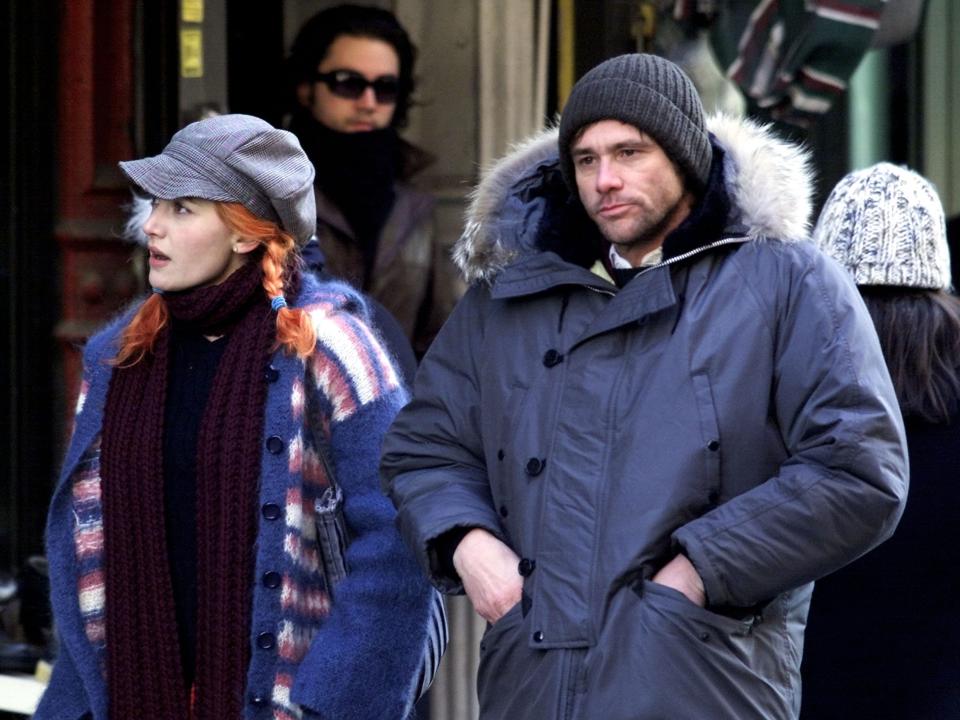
(885, 224)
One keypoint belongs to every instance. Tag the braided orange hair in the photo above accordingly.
(295, 332)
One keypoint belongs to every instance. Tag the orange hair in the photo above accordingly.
(295, 332)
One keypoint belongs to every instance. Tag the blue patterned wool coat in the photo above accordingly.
(357, 657)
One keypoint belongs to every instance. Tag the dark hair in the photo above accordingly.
(318, 33)
(920, 335)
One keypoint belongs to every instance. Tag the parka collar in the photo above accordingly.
(541, 271)
(768, 182)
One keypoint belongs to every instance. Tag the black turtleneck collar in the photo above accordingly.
(357, 172)
(349, 162)
(404, 158)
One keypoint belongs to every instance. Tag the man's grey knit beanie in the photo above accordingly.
(885, 225)
(650, 93)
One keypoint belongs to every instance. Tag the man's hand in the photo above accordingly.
(488, 569)
(681, 575)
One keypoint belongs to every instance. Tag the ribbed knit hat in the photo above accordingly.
(650, 93)
(885, 225)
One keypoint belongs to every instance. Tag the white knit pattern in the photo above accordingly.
(885, 224)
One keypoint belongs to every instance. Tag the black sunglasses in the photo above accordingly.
(350, 84)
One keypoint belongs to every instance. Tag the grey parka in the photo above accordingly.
(731, 404)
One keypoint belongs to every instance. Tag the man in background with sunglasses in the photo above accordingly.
(351, 72)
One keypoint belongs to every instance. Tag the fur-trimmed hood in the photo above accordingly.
(769, 182)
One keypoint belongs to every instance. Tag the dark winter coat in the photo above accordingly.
(412, 275)
(731, 403)
(883, 639)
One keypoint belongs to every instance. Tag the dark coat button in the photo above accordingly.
(551, 357)
(266, 640)
(274, 444)
(538, 636)
(271, 374)
(259, 700)
(271, 511)
(500, 454)
(713, 445)
(503, 511)
(535, 466)
(272, 579)
(526, 566)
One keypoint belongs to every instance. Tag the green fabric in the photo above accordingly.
(797, 79)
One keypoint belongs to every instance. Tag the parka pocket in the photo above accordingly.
(502, 650)
(736, 647)
(677, 602)
(507, 620)
(660, 655)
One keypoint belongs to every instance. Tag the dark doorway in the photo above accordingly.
(28, 278)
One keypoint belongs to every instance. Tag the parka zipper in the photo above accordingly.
(691, 253)
(675, 259)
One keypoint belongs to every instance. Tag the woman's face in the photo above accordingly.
(190, 246)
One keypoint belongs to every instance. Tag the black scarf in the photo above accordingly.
(357, 172)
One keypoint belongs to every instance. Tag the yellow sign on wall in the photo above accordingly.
(191, 11)
(191, 53)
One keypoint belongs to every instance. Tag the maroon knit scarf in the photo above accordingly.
(144, 674)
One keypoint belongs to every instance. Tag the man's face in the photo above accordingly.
(370, 58)
(628, 185)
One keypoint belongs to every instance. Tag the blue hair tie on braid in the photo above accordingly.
(278, 302)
